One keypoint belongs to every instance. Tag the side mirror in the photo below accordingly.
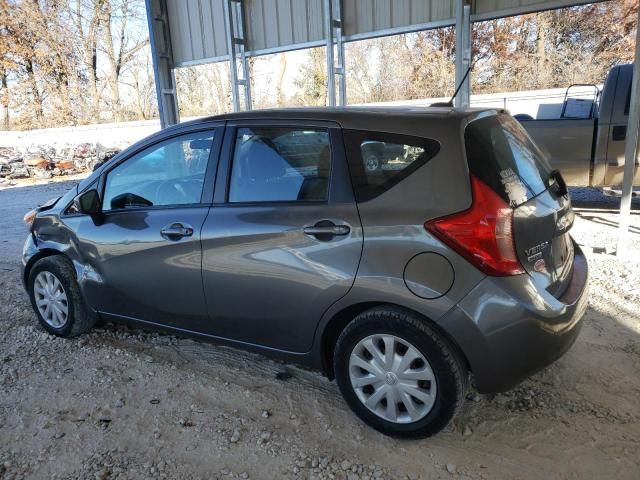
(87, 203)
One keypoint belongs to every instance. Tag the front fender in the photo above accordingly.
(33, 250)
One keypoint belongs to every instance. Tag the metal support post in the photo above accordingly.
(161, 53)
(236, 45)
(463, 52)
(631, 152)
(333, 28)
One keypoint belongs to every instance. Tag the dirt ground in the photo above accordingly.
(125, 403)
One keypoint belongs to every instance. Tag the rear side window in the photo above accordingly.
(280, 164)
(502, 155)
(378, 160)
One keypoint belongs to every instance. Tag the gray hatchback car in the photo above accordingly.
(266, 230)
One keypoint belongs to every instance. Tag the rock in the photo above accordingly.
(345, 465)
(265, 414)
(467, 431)
(235, 436)
(451, 468)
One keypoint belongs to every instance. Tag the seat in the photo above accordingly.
(314, 188)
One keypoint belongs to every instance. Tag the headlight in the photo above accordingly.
(29, 217)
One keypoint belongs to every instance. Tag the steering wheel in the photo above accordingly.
(178, 191)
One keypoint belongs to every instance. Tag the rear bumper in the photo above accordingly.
(509, 328)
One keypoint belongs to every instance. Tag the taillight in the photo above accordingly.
(483, 234)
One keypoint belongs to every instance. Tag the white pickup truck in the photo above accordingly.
(587, 143)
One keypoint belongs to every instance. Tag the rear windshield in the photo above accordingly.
(501, 154)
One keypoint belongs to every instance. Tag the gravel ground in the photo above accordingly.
(125, 403)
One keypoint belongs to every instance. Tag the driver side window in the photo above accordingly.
(168, 173)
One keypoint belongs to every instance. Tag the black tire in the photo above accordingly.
(80, 318)
(448, 367)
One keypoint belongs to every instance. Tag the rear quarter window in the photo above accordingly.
(379, 160)
(502, 155)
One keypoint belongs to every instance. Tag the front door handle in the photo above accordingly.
(325, 230)
(176, 231)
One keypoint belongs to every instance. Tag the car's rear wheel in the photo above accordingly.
(398, 374)
(56, 299)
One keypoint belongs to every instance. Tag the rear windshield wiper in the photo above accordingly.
(556, 183)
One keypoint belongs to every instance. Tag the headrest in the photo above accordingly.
(263, 162)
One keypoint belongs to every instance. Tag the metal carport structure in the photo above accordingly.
(193, 32)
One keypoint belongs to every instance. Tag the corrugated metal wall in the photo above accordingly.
(278, 23)
(484, 9)
(198, 29)
(365, 17)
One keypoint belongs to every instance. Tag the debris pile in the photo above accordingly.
(41, 161)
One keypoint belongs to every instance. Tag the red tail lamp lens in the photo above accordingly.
(483, 234)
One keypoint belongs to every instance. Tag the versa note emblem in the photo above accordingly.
(535, 252)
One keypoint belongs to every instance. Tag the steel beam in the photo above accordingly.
(631, 152)
(334, 44)
(236, 45)
(161, 53)
(338, 23)
(331, 68)
(463, 53)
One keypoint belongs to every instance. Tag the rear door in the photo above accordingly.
(283, 239)
(502, 155)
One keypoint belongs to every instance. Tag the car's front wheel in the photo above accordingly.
(56, 298)
(398, 374)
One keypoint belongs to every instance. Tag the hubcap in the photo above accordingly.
(51, 299)
(392, 378)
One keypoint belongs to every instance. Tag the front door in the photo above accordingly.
(144, 250)
(283, 239)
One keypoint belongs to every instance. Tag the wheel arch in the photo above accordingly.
(342, 318)
(43, 253)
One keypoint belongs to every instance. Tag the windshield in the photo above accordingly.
(501, 154)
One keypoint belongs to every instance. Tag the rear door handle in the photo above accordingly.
(326, 230)
(176, 231)
(330, 230)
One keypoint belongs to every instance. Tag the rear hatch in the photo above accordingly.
(501, 154)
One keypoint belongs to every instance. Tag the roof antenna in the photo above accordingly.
(450, 102)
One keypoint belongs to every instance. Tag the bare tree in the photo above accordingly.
(86, 15)
(119, 45)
